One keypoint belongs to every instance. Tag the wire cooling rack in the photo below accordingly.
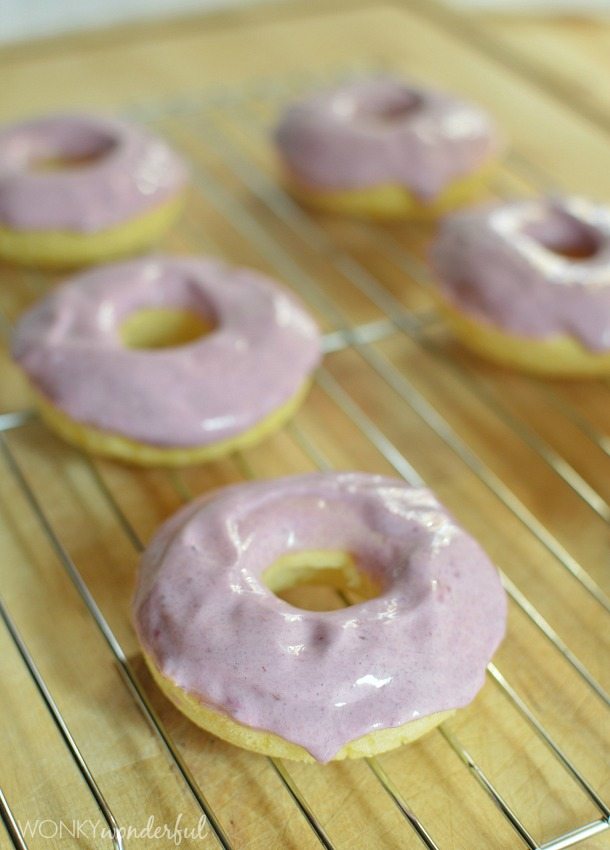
(368, 285)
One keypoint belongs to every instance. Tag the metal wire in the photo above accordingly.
(389, 451)
(289, 213)
(322, 464)
(309, 289)
(345, 338)
(584, 426)
(575, 836)
(10, 822)
(301, 223)
(359, 338)
(60, 723)
(8, 421)
(185, 493)
(365, 334)
(386, 448)
(303, 226)
(363, 283)
(394, 456)
(415, 270)
(127, 673)
(301, 802)
(526, 712)
(497, 799)
(399, 801)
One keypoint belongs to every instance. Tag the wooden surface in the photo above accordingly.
(571, 55)
(496, 462)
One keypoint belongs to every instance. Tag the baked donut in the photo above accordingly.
(79, 189)
(166, 360)
(318, 685)
(385, 148)
(527, 283)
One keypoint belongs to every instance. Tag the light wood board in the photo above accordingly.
(523, 464)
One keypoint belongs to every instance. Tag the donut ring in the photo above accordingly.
(381, 148)
(527, 284)
(317, 685)
(78, 189)
(190, 401)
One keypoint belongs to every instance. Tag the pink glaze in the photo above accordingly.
(320, 679)
(133, 172)
(500, 264)
(262, 349)
(383, 131)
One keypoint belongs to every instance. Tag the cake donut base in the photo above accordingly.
(64, 249)
(95, 441)
(270, 744)
(391, 201)
(560, 356)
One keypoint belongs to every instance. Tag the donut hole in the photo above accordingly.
(319, 580)
(392, 109)
(565, 236)
(91, 152)
(163, 327)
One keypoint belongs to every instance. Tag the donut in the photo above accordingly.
(383, 148)
(527, 283)
(167, 361)
(79, 189)
(309, 685)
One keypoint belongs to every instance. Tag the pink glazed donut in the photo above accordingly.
(265, 675)
(121, 365)
(383, 147)
(527, 283)
(81, 188)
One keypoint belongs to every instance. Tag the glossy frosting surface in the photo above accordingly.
(537, 268)
(129, 171)
(263, 347)
(320, 679)
(381, 131)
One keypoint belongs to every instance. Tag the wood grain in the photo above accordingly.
(522, 463)
(571, 53)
